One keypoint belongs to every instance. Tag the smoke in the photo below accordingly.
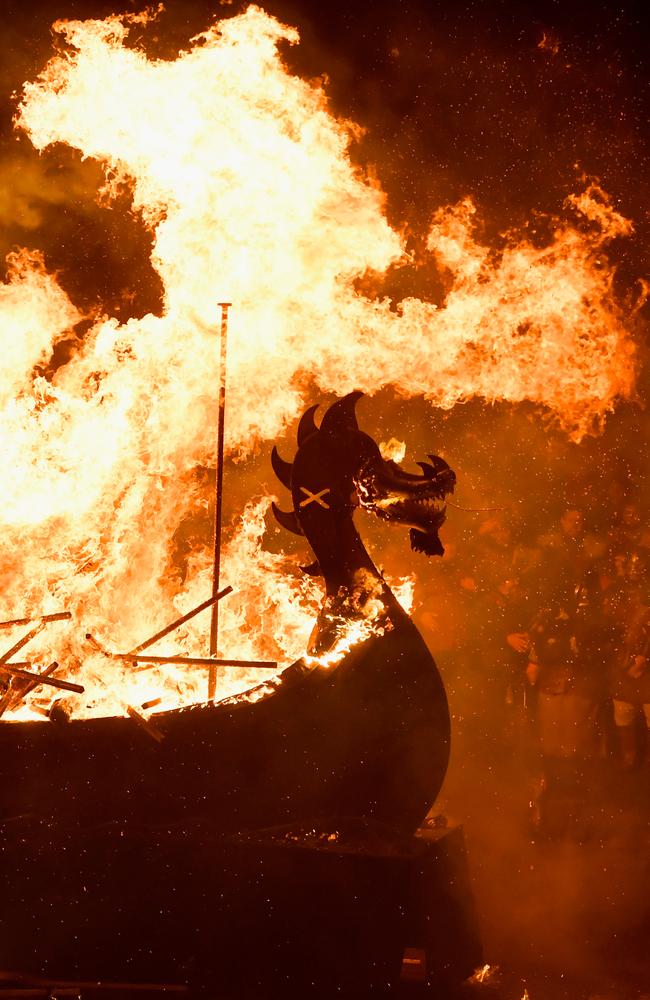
(31, 192)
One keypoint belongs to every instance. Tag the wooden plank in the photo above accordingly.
(200, 661)
(44, 678)
(21, 642)
(146, 724)
(15, 694)
(60, 616)
(218, 496)
(181, 621)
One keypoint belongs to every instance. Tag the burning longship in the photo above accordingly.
(358, 726)
(509, 321)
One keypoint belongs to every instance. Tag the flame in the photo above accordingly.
(484, 974)
(269, 588)
(353, 618)
(549, 42)
(244, 178)
(393, 449)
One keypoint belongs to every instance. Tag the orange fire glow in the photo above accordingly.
(245, 180)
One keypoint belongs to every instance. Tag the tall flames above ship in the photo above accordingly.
(244, 178)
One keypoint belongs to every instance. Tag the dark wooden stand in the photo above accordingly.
(273, 913)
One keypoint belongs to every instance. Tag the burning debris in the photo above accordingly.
(22, 680)
(485, 974)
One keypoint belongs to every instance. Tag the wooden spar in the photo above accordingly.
(205, 661)
(146, 724)
(152, 703)
(214, 622)
(21, 642)
(202, 661)
(17, 696)
(100, 649)
(44, 678)
(17, 671)
(181, 621)
(11, 698)
(60, 616)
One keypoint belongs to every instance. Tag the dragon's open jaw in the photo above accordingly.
(400, 497)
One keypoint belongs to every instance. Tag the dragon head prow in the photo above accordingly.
(338, 468)
(390, 492)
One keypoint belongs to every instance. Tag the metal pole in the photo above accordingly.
(214, 622)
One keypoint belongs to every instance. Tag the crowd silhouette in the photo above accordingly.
(548, 649)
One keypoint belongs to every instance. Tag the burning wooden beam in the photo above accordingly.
(12, 697)
(201, 661)
(21, 642)
(218, 488)
(19, 695)
(17, 670)
(152, 703)
(59, 616)
(146, 724)
(181, 621)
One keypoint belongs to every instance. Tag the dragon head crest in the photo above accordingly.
(337, 468)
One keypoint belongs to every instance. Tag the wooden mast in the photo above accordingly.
(216, 571)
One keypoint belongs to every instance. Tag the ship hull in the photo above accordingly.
(369, 737)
